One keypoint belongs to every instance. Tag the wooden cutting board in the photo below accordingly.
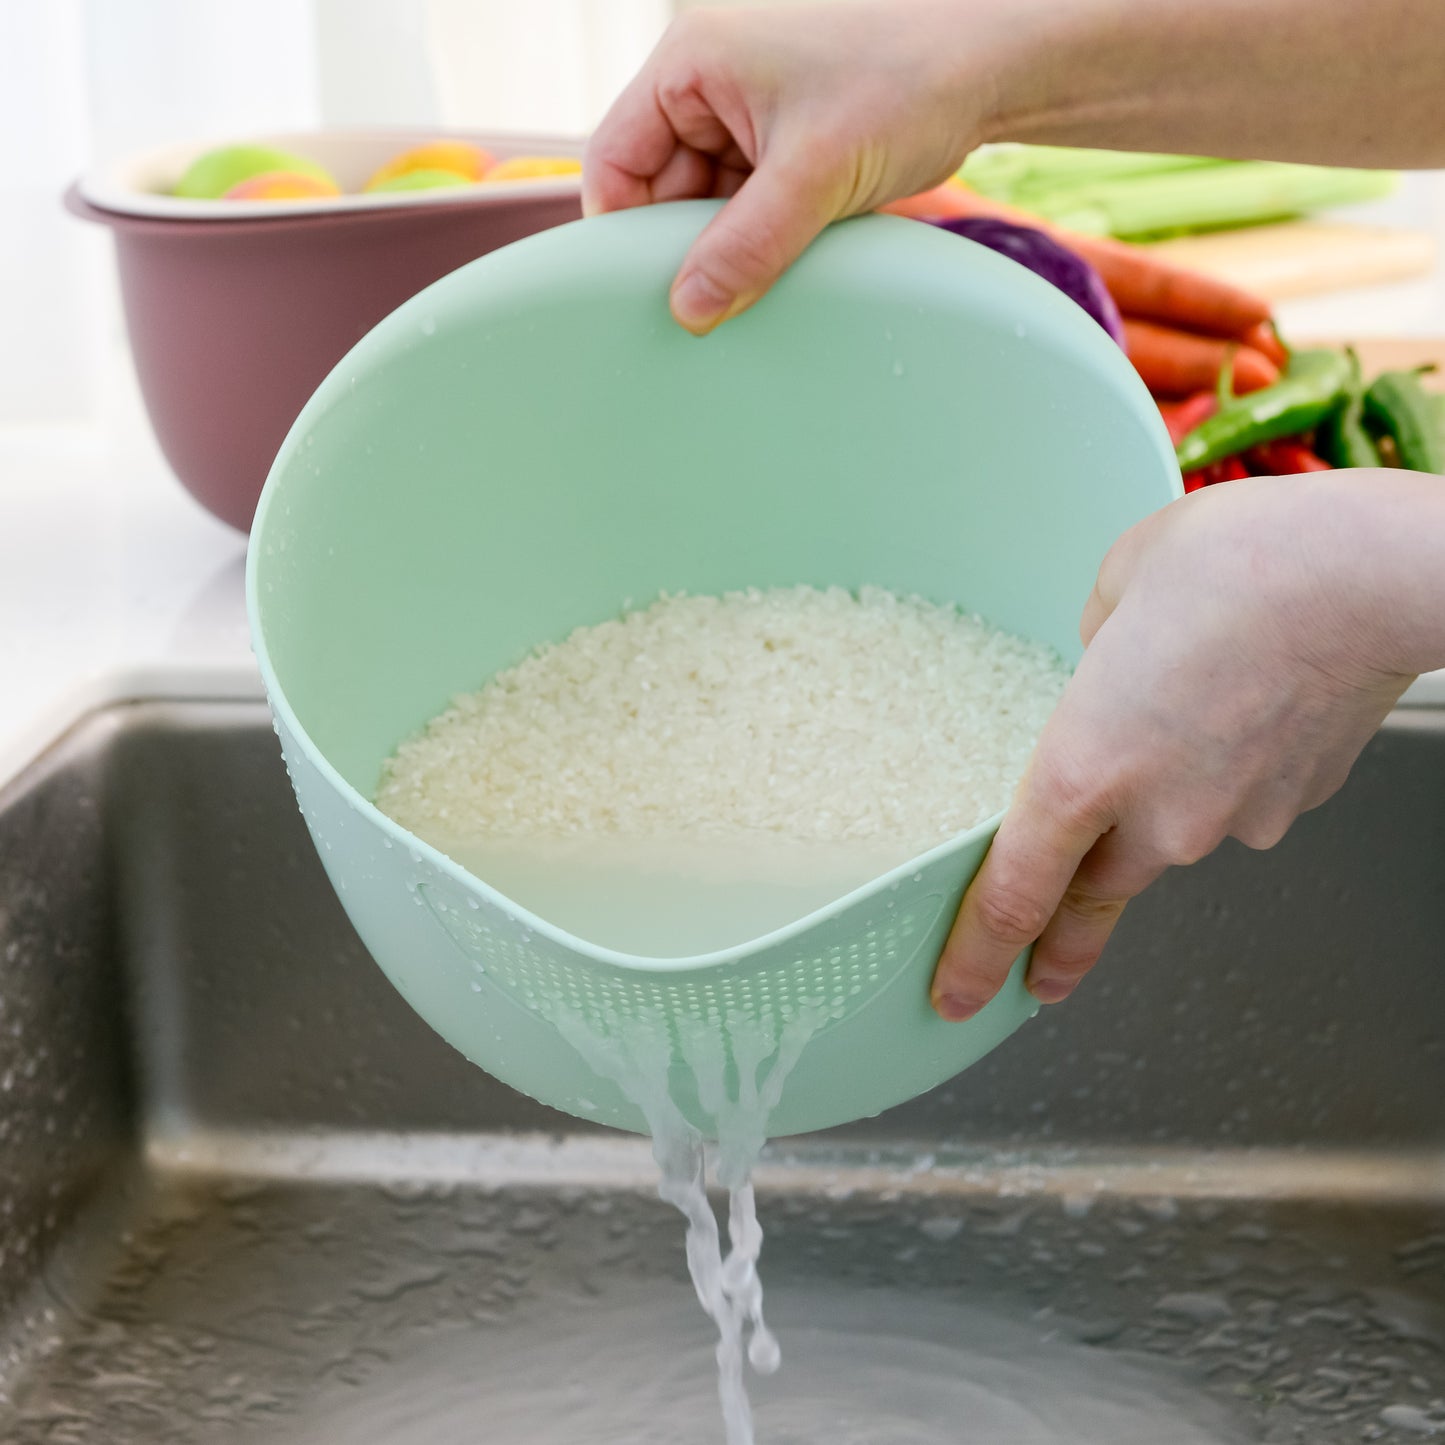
(1395, 353)
(1304, 258)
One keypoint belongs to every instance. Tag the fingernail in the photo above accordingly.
(954, 1009)
(1050, 990)
(698, 302)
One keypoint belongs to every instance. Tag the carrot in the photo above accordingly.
(954, 201)
(1141, 284)
(1265, 339)
(1146, 287)
(1176, 363)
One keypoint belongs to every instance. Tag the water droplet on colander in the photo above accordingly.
(898, 368)
(386, 842)
(476, 987)
(473, 903)
(429, 326)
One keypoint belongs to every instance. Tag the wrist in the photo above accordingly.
(1061, 71)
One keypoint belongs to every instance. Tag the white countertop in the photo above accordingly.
(114, 584)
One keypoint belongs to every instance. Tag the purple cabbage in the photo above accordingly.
(1045, 257)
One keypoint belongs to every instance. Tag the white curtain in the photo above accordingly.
(50, 272)
(86, 81)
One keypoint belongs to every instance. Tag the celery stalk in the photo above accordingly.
(1008, 172)
(1239, 193)
(1137, 194)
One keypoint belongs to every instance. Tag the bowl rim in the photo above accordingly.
(119, 187)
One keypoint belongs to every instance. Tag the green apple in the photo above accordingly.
(210, 176)
(423, 180)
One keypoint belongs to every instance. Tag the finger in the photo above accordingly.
(685, 174)
(1096, 613)
(683, 98)
(728, 180)
(633, 143)
(763, 229)
(1040, 844)
(1115, 572)
(1113, 871)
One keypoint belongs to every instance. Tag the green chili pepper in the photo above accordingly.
(1343, 439)
(1299, 401)
(1398, 405)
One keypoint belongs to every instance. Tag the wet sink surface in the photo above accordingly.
(246, 1196)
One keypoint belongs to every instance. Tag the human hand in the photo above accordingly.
(1242, 646)
(801, 116)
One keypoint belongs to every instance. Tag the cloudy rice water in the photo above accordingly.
(695, 774)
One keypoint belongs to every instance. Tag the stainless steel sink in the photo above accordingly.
(246, 1196)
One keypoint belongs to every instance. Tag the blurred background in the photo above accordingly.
(87, 81)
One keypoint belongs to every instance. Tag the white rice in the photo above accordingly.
(807, 715)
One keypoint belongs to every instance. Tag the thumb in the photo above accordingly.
(1118, 567)
(761, 231)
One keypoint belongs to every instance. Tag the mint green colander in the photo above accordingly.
(531, 441)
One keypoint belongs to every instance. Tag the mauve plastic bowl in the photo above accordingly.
(233, 324)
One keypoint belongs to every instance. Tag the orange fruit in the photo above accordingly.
(460, 157)
(526, 168)
(282, 186)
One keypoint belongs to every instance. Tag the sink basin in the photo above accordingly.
(246, 1196)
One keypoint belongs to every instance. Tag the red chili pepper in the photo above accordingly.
(1286, 457)
(1230, 469)
(1181, 417)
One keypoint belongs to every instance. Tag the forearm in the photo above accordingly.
(1340, 82)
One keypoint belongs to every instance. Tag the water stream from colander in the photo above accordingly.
(636, 1054)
